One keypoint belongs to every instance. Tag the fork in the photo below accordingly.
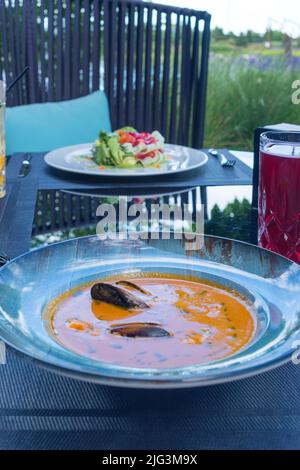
(224, 161)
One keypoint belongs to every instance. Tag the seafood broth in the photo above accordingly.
(181, 321)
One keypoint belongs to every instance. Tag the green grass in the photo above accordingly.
(229, 48)
(242, 97)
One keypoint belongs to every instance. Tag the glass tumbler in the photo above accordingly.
(279, 193)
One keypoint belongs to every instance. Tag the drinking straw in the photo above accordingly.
(18, 77)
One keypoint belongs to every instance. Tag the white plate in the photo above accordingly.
(77, 159)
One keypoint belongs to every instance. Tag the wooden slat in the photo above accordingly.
(8, 75)
(194, 76)
(61, 212)
(76, 50)
(34, 88)
(166, 74)
(183, 83)
(67, 51)
(96, 52)
(43, 45)
(52, 198)
(112, 62)
(59, 53)
(174, 98)
(13, 61)
(156, 118)
(121, 121)
(77, 207)
(201, 86)
(2, 66)
(148, 78)
(110, 46)
(86, 48)
(51, 59)
(107, 56)
(139, 69)
(187, 83)
(17, 19)
(44, 207)
(24, 54)
(130, 108)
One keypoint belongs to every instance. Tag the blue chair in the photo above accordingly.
(41, 127)
(151, 59)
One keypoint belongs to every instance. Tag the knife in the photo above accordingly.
(25, 167)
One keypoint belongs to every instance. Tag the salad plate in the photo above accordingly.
(79, 159)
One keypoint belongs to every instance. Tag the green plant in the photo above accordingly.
(233, 222)
(243, 95)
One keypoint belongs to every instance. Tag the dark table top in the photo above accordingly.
(41, 410)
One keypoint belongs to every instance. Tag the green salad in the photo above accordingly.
(128, 148)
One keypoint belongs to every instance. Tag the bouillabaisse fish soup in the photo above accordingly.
(151, 321)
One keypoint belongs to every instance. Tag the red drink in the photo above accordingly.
(279, 195)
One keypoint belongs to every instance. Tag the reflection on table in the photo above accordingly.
(61, 215)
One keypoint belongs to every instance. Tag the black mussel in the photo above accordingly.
(116, 295)
(132, 285)
(139, 330)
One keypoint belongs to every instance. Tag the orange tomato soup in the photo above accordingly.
(205, 323)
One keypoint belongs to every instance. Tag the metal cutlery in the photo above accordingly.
(25, 167)
(224, 161)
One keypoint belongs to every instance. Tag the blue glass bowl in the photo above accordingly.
(271, 282)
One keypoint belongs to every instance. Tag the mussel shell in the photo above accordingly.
(140, 330)
(133, 285)
(116, 295)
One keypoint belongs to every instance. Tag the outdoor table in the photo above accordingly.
(42, 410)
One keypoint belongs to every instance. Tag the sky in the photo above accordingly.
(241, 15)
